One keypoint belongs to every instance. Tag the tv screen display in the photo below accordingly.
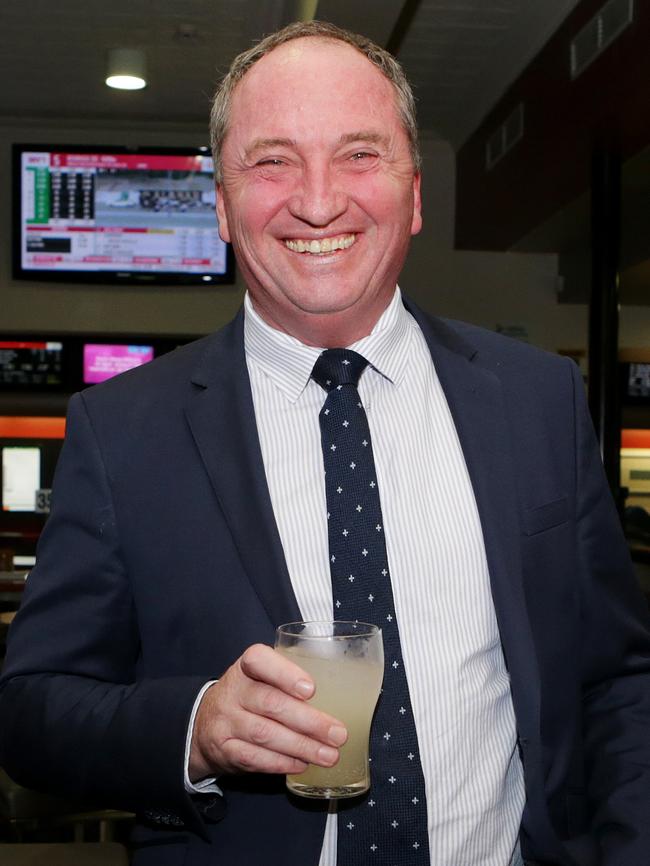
(29, 451)
(102, 361)
(31, 363)
(21, 477)
(96, 214)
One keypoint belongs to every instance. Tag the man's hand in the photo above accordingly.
(257, 719)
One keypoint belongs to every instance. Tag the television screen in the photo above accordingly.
(96, 214)
(31, 363)
(638, 381)
(21, 477)
(102, 361)
(29, 451)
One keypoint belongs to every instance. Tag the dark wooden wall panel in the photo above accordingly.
(550, 166)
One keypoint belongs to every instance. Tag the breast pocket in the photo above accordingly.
(543, 517)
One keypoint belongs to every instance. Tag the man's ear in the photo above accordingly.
(224, 233)
(416, 222)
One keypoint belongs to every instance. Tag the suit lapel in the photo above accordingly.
(222, 420)
(475, 398)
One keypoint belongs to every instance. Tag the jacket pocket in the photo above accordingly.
(545, 516)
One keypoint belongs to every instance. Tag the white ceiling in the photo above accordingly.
(462, 55)
(459, 54)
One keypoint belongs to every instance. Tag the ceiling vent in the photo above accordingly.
(614, 17)
(505, 137)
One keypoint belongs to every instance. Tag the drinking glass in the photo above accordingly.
(346, 662)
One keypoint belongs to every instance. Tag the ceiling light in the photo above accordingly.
(126, 69)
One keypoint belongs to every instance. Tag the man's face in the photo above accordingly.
(319, 196)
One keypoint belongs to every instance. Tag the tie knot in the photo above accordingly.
(338, 367)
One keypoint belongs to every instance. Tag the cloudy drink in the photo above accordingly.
(346, 663)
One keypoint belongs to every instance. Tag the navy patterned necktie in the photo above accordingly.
(387, 826)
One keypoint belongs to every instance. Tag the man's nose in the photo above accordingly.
(319, 199)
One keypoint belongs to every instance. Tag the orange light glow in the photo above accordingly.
(25, 427)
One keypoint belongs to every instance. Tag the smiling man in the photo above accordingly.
(318, 195)
(214, 494)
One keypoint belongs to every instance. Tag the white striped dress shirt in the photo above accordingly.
(457, 677)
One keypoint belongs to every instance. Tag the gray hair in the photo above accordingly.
(385, 62)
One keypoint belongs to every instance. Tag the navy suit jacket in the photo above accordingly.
(161, 562)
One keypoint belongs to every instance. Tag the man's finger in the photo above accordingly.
(249, 758)
(275, 737)
(261, 662)
(268, 703)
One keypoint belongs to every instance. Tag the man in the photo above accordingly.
(189, 520)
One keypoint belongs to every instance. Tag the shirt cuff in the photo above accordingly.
(209, 784)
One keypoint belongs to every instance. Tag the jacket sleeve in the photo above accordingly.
(75, 717)
(615, 666)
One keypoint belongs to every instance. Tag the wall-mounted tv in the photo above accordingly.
(104, 360)
(31, 363)
(48, 367)
(29, 450)
(117, 215)
(21, 477)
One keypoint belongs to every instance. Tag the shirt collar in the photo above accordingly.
(288, 362)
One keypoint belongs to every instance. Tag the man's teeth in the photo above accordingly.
(327, 245)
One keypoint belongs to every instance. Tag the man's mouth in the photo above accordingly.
(318, 248)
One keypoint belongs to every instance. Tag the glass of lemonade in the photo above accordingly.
(346, 662)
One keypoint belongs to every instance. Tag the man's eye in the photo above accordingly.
(361, 155)
(270, 161)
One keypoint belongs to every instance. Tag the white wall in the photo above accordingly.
(634, 328)
(489, 289)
